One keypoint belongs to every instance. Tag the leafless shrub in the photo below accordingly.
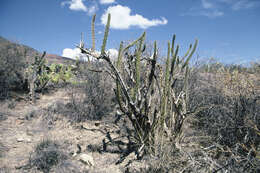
(91, 97)
(5, 170)
(231, 119)
(229, 115)
(12, 63)
(46, 155)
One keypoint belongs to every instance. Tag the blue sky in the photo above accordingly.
(228, 30)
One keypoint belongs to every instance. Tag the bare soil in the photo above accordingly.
(26, 125)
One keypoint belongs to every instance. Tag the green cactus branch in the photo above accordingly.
(174, 61)
(166, 84)
(106, 35)
(188, 51)
(134, 42)
(173, 44)
(93, 32)
(146, 94)
(118, 87)
(192, 52)
(138, 65)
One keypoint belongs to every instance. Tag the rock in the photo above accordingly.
(75, 150)
(86, 159)
(23, 138)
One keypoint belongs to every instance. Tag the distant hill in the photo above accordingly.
(52, 58)
(4, 42)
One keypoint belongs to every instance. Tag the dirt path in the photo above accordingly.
(21, 129)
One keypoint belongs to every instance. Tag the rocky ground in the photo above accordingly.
(24, 126)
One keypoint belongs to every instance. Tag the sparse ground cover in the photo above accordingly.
(24, 127)
(77, 126)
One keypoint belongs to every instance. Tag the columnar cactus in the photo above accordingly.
(151, 104)
(36, 69)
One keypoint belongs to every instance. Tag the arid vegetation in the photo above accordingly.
(132, 114)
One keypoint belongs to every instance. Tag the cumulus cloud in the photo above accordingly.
(92, 9)
(106, 1)
(121, 18)
(73, 54)
(113, 53)
(78, 5)
(76, 54)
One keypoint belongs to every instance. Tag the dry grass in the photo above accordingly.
(221, 133)
(223, 136)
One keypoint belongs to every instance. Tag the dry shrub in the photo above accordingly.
(46, 155)
(228, 102)
(12, 63)
(231, 119)
(92, 97)
(5, 170)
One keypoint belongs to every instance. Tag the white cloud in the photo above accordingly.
(92, 9)
(243, 4)
(206, 4)
(202, 12)
(214, 8)
(76, 5)
(113, 53)
(106, 1)
(212, 14)
(73, 54)
(121, 18)
(208, 8)
(76, 54)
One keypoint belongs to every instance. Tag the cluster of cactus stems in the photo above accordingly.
(145, 89)
(36, 69)
(39, 74)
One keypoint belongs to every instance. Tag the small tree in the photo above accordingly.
(146, 90)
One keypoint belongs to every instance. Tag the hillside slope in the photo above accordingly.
(52, 58)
